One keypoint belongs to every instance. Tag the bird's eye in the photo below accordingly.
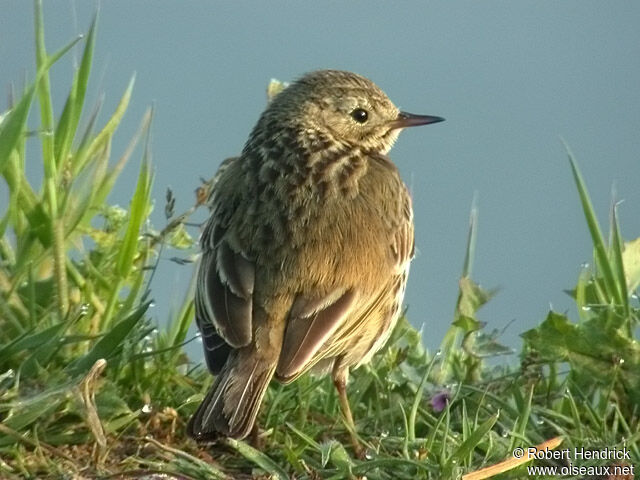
(360, 115)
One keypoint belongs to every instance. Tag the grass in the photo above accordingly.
(90, 388)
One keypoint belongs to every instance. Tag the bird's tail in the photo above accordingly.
(231, 405)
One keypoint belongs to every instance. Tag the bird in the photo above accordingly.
(306, 253)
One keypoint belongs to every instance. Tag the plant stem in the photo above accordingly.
(50, 167)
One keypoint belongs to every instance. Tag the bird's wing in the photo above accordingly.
(376, 307)
(403, 242)
(226, 276)
(311, 323)
(325, 327)
(384, 304)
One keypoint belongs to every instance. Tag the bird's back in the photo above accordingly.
(311, 241)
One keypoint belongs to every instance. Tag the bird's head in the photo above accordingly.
(343, 107)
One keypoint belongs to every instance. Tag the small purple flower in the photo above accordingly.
(440, 401)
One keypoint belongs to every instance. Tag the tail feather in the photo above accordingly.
(232, 404)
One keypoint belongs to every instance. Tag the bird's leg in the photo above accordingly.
(340, 376)
(255, 440)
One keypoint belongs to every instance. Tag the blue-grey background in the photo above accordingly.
(511, 78)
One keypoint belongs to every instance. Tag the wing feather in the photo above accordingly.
(226, 277)
(311, 323)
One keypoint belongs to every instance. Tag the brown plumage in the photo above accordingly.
(306, 255)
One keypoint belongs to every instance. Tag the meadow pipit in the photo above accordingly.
(306, 255)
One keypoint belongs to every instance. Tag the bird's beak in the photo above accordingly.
(410, 120)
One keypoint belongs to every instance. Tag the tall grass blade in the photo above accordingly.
(258, 458)
(97, 142)
(524, 413)
(618, 264)
(25, 413)
(68, 123)
(469, 253)
(29, 341)
(413, 413)
(13, 126)
(44, 96)
(602, 259)
(465, 449)
(138, 210)
(454, 333)
(105, 186)
(107, 345)
(87, 132)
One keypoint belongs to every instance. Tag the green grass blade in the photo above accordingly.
(54, 57)
(136, 286)
(618, 263)
(26, 412)
(452, 337)
(575, 414)
(84, 205)
(258, 458)
(631, 260)
(179, 327)
(41, 355)
(108, 344)
(68, 123)
(4, 222)
(104, 187)
(138, 211)
(13, 125)
(413, 413)
(189, 464)
(465, 449)
(340, 458)
(602, 259)
(524, 413)
(581, 295)
(305, 438)
(87, 132)
(44, 95)
(29, 341)
(44, 63)
(471, 239)
(94, 145)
